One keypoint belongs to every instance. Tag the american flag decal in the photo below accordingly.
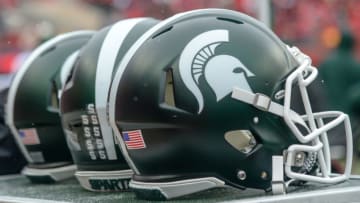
(29, 136)
(134, 139)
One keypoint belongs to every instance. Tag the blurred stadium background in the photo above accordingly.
(314, 26)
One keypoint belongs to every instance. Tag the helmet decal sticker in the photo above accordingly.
(29, 136)
(134, 139)
(94, 138)
(221, 72)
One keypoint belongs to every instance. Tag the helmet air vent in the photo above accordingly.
(230, 20)
(162, 32)
(50, 49)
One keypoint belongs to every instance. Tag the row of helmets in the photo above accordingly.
(199, 100)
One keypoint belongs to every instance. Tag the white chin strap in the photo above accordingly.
(316, 139)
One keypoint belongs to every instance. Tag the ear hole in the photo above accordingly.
(169, 96)
(242, 140)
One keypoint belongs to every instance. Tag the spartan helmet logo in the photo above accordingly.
(222, 72)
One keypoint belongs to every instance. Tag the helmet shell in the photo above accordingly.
(84, 97)
(206, 53)
(33, 104)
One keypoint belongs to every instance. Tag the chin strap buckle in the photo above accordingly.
(261, 102)
(277, 183)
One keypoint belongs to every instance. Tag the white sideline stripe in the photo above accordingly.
(10, 199)
(103, 78)
(8, 177)
(335, 195)
(19, 76)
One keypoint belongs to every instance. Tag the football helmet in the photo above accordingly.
(100, 164)
(11, 159)
(204, 99)
(32, 111)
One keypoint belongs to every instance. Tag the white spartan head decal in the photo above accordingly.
(222, 72)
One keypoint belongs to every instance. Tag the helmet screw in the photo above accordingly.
(264, 175)
(256, 119)
(241, 175)
(299, 158)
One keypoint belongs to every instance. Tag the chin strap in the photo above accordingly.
(264, 103)
(277, 182)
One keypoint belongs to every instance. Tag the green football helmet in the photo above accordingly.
(100, 164)
(32, 111)
(204, 99)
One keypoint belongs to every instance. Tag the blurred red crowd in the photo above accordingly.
(314, 26)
